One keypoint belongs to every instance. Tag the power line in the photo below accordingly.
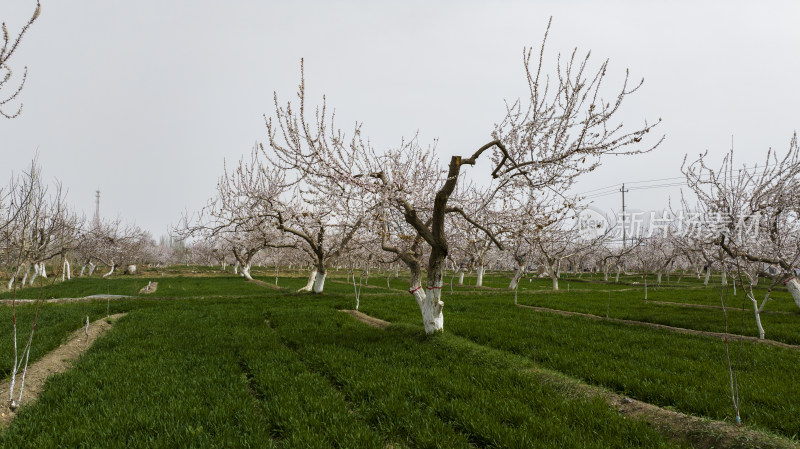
(614, 188)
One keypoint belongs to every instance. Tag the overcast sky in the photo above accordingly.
(145, 100)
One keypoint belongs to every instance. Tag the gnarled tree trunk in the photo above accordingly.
(520, 271)
(311, 278)
(319, 280)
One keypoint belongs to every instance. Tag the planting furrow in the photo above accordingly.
(54, 362)
(681, 330)
(680, 427)
(369, 320)
(706, 306)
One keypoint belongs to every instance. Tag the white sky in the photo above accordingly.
(146, 99)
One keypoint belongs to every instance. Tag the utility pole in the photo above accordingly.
(97, 209)
(624, 239)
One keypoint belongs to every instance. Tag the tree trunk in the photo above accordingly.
(460, 278)
(65, 271)
(431, 309)
(618, 271)
(36, 269)
(110, 272)
(431, 306)
(517, 275)
(763, 303)
(658, 278)
(311, 277)
(708, 275)
(479, 272)
(757, 313)
(794, 288)
(92, 267)
(724, 276)
(319, 280)
(43, 270)
(245, 271)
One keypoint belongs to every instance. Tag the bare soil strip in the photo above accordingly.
(705, 306)
(264, 284)
(54, 362)
(680, 330)
(363, 317)
(699, 432)
(8, 302)
(151, 287)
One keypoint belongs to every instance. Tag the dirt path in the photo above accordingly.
(63, 300)
(699, 432)
(363, 317)
(705, 306)
(54, 362)
(264, 284)
(680, 330)
(151, 287)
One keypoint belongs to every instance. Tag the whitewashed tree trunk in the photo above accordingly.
(724, 276)
(245, 272)
(357, 290)
(25, 276)
(15, 275)
(520, 271)
(658, 278)
(757, 313)
(92, 267)
(461, 278)
(65, 271)
(83, 270)
(708, 275)
(319, 281)
(619, 269)
(479, 272)
(763, 302)
(311, 277)
(43, 270)
(111, 271)
(236, 268)
(429, 300)
(36, 268)
(552, 272)
(431, 309)
(794, 288)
